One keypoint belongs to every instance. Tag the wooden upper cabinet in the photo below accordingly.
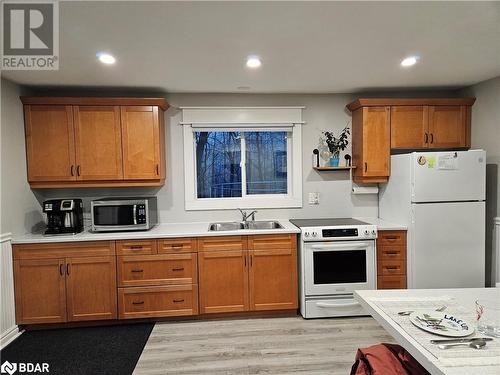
(50, 147)
(447, 126)
(40, 291)
(409, 127)
(98, 143)
(85, 142)
(371, 144)
(141, 142)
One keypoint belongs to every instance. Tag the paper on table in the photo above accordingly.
(457, 356)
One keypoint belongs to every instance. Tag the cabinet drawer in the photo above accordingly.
(63, 249)
(392, 237)
(388, 252)
(391, 282)
(143, 270)
(222, 243)
(271, 241)
(132, 247)
(391, 267)
(158, 301)
(177, 245)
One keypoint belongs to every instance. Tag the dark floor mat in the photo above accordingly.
(82, 351)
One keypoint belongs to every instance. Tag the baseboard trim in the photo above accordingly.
(10, 336)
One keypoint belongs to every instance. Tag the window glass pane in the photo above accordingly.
(218, 171)
(266, 162)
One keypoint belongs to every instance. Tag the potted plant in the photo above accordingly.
(336, 144)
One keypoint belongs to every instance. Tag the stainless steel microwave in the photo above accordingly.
(124, 214)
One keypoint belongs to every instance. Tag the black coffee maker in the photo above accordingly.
(64, 216)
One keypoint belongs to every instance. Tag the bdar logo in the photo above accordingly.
(8, 368)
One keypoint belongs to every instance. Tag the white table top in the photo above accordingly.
(370, 300)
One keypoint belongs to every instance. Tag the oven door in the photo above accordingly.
(115, 216)
(338, 267)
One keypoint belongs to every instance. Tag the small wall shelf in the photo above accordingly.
(324, 169)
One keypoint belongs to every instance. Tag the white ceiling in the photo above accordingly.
(306, 47)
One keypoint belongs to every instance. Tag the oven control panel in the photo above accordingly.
(339, 233)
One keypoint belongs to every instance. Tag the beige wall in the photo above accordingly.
(20, 210)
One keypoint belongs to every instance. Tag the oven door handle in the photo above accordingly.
(361, 245)
(135, 214)
(333, 305)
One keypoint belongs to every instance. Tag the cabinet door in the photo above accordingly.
(50, 144)
(223, 281)
(91, 288)
(447, 126)
(409, 127)
(376, 142)
(40, 291)
(141, 142)
(98, 143)
(273, 279)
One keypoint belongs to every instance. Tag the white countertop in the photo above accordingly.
(160, 231)
(464, 298)
(382, 224)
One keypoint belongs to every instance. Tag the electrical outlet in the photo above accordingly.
(313, 198)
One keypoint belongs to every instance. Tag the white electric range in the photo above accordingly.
(336, 257)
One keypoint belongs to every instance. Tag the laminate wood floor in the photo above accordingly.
(258, 346)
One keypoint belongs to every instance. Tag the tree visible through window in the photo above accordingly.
(218, 163)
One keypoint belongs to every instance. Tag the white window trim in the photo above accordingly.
(196, 118)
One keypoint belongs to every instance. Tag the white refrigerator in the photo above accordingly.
(440, 196)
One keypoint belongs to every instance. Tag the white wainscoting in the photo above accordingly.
(8, 328)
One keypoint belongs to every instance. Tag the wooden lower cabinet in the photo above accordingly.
(223, 278)
(158, 301)
(273, 279)
(391, 259)
(126, 279)
(262, 278)
(40, 291)
(91, 288)
(50, 288)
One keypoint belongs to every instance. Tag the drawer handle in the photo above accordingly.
(391, 252)
(178, 269)
(136, 247)
(391, 267)
(138, 303)
(391, 238)
(137, 270)
(178, 300)
(177, 245)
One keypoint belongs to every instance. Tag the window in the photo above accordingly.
(242, 165)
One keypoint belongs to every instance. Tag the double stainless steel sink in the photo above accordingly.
(244, 225)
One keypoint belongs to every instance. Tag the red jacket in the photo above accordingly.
(386, 359)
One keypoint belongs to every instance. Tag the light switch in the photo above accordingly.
(313, 198)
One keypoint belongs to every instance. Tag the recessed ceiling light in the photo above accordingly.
(106, 58)
(409, 61)
(253, 62)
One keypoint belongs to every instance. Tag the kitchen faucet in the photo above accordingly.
(245, 216)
